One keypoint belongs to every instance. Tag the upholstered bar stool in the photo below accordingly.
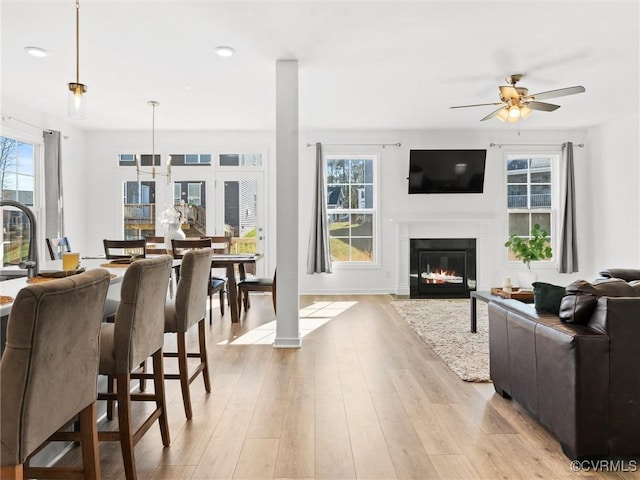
(189, 308)
(48, 373)
(136, 334)
(216, 284)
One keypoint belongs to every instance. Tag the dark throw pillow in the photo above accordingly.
(547, 297)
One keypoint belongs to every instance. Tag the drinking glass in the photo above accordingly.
(70, 261)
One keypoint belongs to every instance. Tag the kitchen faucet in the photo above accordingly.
(32, 257)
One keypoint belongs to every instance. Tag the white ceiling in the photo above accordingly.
(362, 64)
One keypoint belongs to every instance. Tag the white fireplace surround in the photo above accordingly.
(444, 226)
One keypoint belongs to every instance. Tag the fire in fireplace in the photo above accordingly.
(442, 268)
(441, 277)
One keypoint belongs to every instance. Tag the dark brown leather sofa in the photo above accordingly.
(581, 381)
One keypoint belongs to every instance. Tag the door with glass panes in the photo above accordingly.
(240, 213)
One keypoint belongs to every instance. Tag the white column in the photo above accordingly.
(287, 145)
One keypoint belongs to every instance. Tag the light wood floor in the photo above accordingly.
(363, 398)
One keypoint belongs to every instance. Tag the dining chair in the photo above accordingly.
(216, 284)
(57, 246)
(155, 246)
(188, 309)
(48, 374)
(253, 284)
(222, 245)
(114, 249)
(136, 334)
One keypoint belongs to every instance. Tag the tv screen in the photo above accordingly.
(446, 171)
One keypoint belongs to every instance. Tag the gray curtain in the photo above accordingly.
(54, 220)
(568, 239)
(319, 255)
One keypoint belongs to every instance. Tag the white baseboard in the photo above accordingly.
(287, 342)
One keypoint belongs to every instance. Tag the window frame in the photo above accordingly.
(374, 211)
(555, 157)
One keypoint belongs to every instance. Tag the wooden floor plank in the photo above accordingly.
(363, 398)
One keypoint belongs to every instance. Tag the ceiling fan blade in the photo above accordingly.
(478, 105)
(493, 114)
(544, 107)
(561, 92)
(507, 91)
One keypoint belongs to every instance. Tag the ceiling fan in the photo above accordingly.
(516, 102)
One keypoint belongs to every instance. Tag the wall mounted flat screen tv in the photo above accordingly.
(446, 171)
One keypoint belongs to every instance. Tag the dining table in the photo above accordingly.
(230, 261)
(10, 288)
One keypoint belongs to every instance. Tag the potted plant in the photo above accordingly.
(530, 249)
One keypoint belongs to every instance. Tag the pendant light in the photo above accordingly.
(77, 91)
(153, 104)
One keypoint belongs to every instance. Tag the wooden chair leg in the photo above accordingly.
(245, 299)
(12, 472)
(89, 442)
(161, 402)
(210, 309)
(222, 302)
(183, 368)
(203, 356)
(125, 425)
(110, 384)
(143, 382)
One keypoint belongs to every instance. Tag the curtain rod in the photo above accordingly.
(500, 145)
(383, 145)
(9, 117)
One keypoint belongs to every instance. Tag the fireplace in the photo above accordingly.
(442, 267)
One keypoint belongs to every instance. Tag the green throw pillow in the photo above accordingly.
(547, 297)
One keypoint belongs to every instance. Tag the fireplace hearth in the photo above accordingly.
(442, 267)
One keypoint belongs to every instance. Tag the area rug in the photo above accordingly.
(444, 326)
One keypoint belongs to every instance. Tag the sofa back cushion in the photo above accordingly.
(626, 274)
(581, 297)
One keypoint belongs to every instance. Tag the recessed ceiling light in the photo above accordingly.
(225, 51)
(36, 51)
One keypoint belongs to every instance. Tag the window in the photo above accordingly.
(192, 195)
(240, 159)
(17, 170)
(129, 160)
(530, 195)
(139, 209)
(351, 206)
(178, 159)
(17, 180)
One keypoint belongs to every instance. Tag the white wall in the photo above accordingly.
(615, 193)
(607, 178)
(436, 216)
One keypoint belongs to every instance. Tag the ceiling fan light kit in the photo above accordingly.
(517, 104)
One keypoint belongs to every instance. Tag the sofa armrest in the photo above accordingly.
(572, 369)
(619, 317)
